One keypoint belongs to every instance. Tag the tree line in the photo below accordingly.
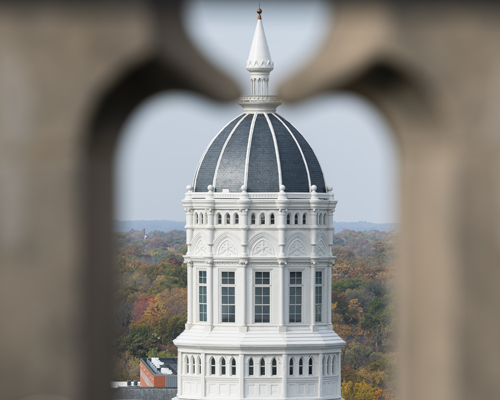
(151, 305)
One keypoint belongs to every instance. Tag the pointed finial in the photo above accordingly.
(259, 11)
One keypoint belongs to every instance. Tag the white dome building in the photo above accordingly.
(259, 236)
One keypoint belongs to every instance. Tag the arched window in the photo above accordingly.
(301, 366)
(212, 366)
(310, 366)
(223, 366)
(304, 219)
(201, 218)
(328, 366)
(228, 219)
(274, 369)
(250, 367)
(291, 367)
(196, 218)
(296, 219)
(288, 218)
(262, 367)
(219, 219)
(199, 365)
(193, 366)
(323, 366)
(253, 219)
(233, 367)
(271, 219)
(187, 365)
(262, 219)
(236, 219)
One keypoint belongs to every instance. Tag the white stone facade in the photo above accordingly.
(233, 258)
(259, 263)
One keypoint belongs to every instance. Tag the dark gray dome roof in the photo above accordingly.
(261, 151)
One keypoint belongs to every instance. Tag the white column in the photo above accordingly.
(180, 370)
(285, 376)
(203, 374)
(189, 228)
(210, 231)
(210, 291)
(320, 375)
(339, 383)
(243, 301)
(190, 295)
(282, 300)
(194, 296)
(328, 290)
(312, 273)
(314, 229)
(241, 375)
(244, 232)
(330, 230)
(282, 231)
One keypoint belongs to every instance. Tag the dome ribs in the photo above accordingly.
(294, 174)
(315, 172)
(208, 163)
(230, 172)
(263, 175)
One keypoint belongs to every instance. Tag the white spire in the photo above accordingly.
(259, 62)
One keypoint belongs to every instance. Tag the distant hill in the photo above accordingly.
(165, 226)
(364, 226)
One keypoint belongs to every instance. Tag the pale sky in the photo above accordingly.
(165, 137)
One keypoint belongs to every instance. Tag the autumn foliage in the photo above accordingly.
(151, 301)
(151, 298)
(362, 312)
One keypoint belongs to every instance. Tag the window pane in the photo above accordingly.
(202, 298)
(319, 301)
(228, 297)
(228, 278)
(202, 276)
(295, 307)
(262, 299)
(319, 278)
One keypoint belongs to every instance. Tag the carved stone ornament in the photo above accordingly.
(262, 249)
(297, 249)
(321, 248)
(227, 249)
(201, 248)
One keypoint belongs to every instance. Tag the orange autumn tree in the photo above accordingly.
(360, 391)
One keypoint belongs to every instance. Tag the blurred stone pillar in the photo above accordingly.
(70, 73)
(433, 68)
